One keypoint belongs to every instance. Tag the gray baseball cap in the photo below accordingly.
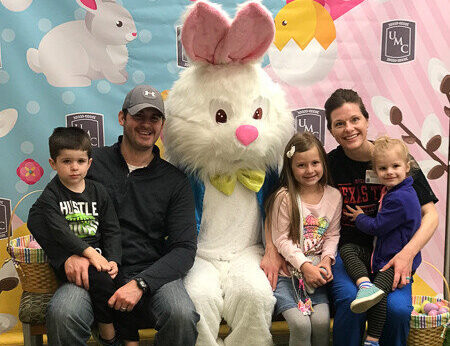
(143, 96)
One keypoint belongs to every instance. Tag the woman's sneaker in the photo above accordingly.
(366, 298)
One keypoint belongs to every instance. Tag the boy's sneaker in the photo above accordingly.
(100, 341)
(366, 298)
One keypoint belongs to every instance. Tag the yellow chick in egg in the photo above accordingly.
(304, 49)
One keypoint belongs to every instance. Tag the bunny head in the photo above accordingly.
(108, 22)
(224, 113)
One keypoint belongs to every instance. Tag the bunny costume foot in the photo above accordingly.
(237, 291)
(226, 126)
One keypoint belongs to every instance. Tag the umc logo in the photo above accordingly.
(310, 120)
(92, 123)
(398, 41)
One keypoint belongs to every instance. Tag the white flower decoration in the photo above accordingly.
(291, 152)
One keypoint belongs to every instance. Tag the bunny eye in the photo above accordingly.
(261, 108)
(258, 113)
(221, 111)
(221, 116)
(119, 24)
(284, 23)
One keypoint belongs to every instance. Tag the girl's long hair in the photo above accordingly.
(302, 142)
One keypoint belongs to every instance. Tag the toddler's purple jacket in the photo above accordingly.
(395, 224)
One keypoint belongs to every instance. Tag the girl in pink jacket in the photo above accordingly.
(304, 218)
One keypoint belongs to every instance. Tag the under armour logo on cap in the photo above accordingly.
(149, 94)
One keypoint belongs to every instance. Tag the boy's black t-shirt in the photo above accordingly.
(349, 177)
(74, 221)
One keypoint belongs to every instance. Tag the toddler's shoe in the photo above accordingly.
(371, 343)
(366, 298)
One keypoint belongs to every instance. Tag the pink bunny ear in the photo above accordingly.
(204, 27)
(249, 37)
(88, 5)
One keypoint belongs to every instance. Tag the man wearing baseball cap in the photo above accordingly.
(155, 206)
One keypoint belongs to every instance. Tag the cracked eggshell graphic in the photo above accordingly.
(16, 5)
(30, 171)
(304, 49)
(8, 118)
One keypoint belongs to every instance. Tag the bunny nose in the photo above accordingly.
(246, 134)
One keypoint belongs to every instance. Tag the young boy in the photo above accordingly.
(80, 221)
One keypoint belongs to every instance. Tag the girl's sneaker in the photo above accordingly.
(366, 298)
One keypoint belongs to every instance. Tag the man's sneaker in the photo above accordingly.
(366, 298)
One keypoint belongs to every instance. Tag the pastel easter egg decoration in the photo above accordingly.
(425, 302)
(16, 5)
(433, 313)
(8, 118)
(304, 49)
(429, 307)
(30, 171)
(442, 310)
(417, 307)
(414, 313)
(34, 245)
(441, 303)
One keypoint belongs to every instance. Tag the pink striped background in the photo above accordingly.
(359, 66)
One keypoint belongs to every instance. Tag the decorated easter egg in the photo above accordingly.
(16, 5)
(441, 304)
(433, 313)
(417, 307)
(429, 307)
(34, 245)
(414, 313)
(8, 118)
(442, 310)
(425, 302)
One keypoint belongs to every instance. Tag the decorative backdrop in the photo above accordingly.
(73, 61)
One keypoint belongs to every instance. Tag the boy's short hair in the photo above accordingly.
(73, 138)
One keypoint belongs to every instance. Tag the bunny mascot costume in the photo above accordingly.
(227, 123)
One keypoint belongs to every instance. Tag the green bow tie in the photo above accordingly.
(251, 179)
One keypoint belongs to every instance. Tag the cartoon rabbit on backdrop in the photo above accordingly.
(76, 52)
(227, 124)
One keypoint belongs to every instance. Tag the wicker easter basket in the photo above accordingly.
(429, 330)
(35, 273)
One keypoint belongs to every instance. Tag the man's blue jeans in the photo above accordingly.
(348, 327)
(170, 311)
